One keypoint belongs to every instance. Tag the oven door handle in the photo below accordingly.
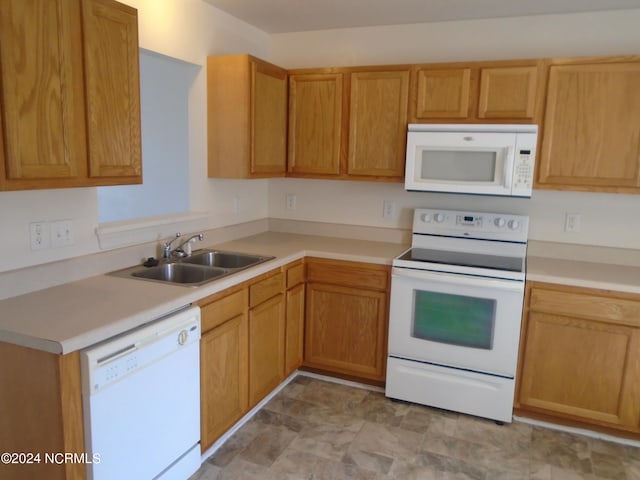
(458, 279)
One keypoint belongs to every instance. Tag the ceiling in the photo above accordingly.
(280, 16)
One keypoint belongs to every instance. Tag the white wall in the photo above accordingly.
(192, 29)
(188, 30)
(606, 219)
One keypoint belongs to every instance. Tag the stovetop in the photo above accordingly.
(472, 243)
(464, 259)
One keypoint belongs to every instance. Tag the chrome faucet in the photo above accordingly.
(185, 247)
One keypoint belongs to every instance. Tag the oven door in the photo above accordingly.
(454, 320)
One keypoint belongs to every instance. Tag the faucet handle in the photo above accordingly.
(166, 246)
(186, 245)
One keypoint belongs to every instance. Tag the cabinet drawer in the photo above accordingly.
(295, 275)
(589, 304)
(355, 274)
(265, 289)
(225, 308)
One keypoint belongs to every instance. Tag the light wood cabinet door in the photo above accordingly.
(315, 124)
(113, 91)
(508, 92)
(378, 123)
(269, 116)
(581, 356)
(346, 325)
(591, 135)
(443, 93)
(247, 117)
(294, 341)
(224, 378)
(71, 106)
(42, 96)
(346, 318)
(266, 347)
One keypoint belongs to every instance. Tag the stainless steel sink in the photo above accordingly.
(201, 267)
(217, 258)
(180, 273)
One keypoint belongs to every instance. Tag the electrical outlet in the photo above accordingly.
(388, 209)
(62, 233)
(290, 201)
(39, 235)
(572, 222)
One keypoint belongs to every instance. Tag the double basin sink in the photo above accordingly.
(201, 267)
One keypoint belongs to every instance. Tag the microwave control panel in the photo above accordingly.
(523, 169)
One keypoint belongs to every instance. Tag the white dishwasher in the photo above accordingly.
(141, 400)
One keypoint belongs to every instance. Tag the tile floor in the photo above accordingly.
(320, 430)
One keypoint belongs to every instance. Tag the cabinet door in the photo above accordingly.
(269, 119)
(113, 91)
(508, 92)
(346, 330)
(294, 341)
(224, 367)
(224, 378)
(592, 128)
(42, 94)
(266, 347)
(315, 123)
(443, 93)
(582, 369)
(378, 123)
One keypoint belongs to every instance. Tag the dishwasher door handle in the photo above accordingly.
(117, 354)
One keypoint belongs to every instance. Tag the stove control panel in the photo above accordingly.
(483, 225)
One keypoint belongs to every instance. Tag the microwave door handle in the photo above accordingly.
(508, 168)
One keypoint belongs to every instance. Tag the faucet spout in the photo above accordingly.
(185, 247)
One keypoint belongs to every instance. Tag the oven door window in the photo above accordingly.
(454, 319)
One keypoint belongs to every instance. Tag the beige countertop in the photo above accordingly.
(75, 315)
(602, 276)
(584, 266)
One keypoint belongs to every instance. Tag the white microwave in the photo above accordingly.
(475, 159)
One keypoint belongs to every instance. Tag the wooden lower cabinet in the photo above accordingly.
(242, 351)
(223, 364)
(266, 334)
(40, 411)
(294, 317)
(580, 356)
(346, 320)
(266, 348)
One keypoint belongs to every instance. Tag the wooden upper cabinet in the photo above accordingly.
(443, 93)
(247, 117)
(42, 94)
(69, 95)
(508, 92)
(113, 90)
(591, 137)
(378, 123)
(348, 123)
(315, 123)
(477, 92)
